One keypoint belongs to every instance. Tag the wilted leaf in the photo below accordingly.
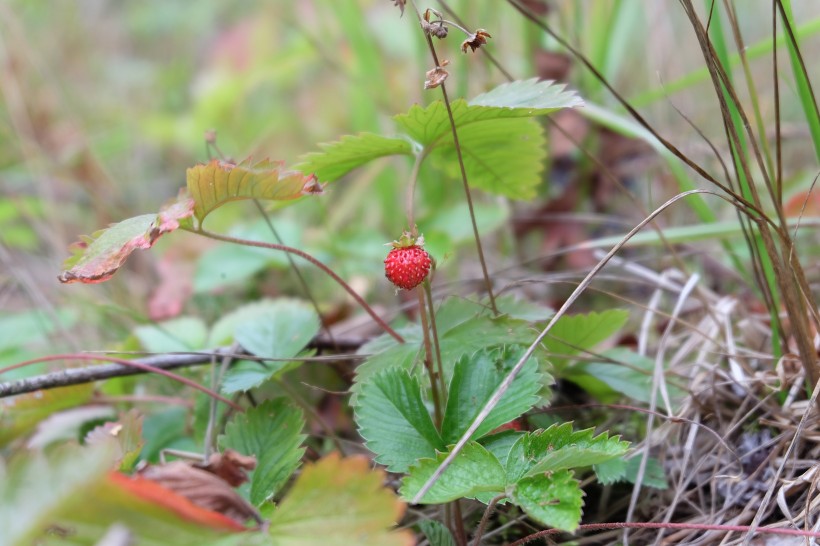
(553, 498)
(394, 421)
(217, 182)
(98, 257)
(339, 502)
(231, 466)
(436, 76)
(271, 432)
(349, 152)
(474, 470)
(201, 487)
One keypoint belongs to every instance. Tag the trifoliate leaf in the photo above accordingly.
(559, 448)
(475, 379)
(349, 152)
(215, 183)
(339, 502)
(474, 470)
(394, 421)
(95, 259)
(552, 498)
(271, 432)
(574, 333)
(437, 533)
(284, 328)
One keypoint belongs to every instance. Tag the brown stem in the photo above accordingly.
(485, 518)
(468, 195)
(314, 261)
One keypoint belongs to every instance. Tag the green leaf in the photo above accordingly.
(224, 330)
(633, 378)
(520, 99)
(281, 332)
(394, 421)
(574, 333)
(31, 326)
(522, 309)
(536, 97)
(554, 499)
(176, 335)
(501, 156)
(611, 471)
(215, 183)
(474, 470)
(349, 152)
(95, 259)
(501, 443)
(559, 448)
(475, 379)
(654, 474)
(271, 432)
(464, 327)
(437, 533)
(339, 502)
(34, 488)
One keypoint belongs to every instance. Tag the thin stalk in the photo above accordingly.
(429, 293)
(461, 534)
(778, 177)
(311, 259)
(464, 181)
(428, 360)
(485, 518)
(411, 188)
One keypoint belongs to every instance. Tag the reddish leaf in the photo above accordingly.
(803, 204)
(20, 414)
(98, 257)
(217, 182)
(158, 495)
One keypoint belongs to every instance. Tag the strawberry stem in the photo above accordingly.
(311, 259)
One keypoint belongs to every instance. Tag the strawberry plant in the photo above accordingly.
(275, 374)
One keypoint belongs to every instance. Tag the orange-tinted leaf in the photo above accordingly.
(98, 257)
(20, 414)
(337, 502)
(156, 494)
(217, 182)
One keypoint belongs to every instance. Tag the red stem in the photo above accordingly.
(124, 362)
(314, 261)
(655, 525)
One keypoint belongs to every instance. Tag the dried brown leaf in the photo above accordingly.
(202, 488)
(436, 76)
(230, 466)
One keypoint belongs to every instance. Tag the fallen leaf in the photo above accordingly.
(230, 466)
(203, 489)
(436, 76)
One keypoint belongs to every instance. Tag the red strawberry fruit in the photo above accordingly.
(407, 264)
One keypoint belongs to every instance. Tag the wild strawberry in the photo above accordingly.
(408, 264)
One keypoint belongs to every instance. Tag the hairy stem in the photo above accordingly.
(428, 359)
